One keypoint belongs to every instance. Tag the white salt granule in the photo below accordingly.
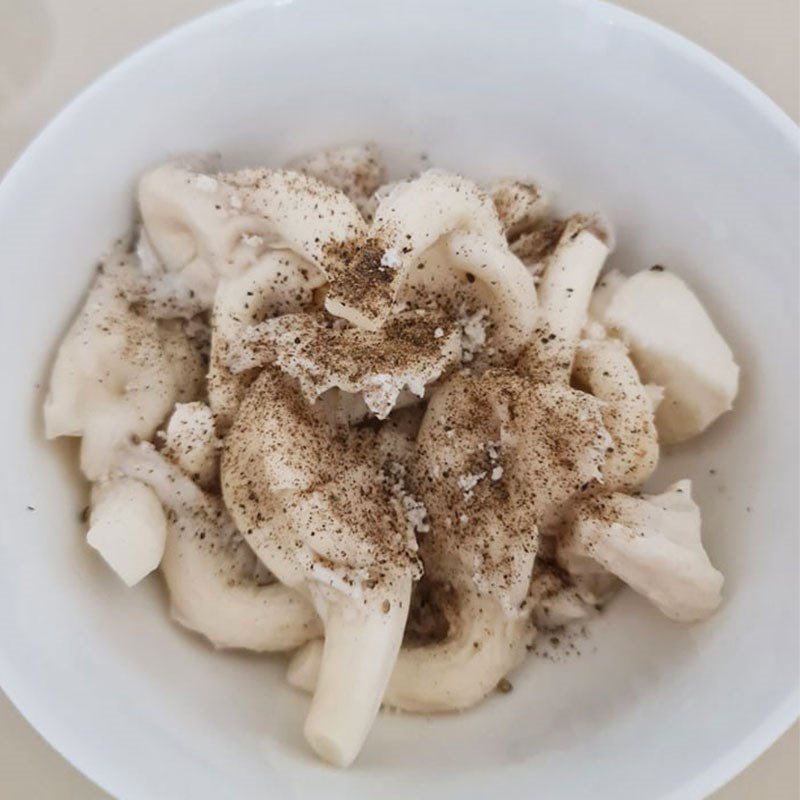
(391, 259)
(205, 183)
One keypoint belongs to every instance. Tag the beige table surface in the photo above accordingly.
(50, 49)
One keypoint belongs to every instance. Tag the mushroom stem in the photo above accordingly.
(355, 664)
(564, 294)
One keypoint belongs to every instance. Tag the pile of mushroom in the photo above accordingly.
(398, 429)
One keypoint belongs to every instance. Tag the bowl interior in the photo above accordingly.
(694, 169)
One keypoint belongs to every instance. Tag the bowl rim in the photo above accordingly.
(778, 720)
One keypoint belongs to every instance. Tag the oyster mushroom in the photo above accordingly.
(207, 227)
(441, 236)
(280, 283)
(117, 374)
(564, 292)
(603, 368)
(653, 544)
(313, 504)
(674, 344)
(413, 349)
(128, 527)
(216, 584)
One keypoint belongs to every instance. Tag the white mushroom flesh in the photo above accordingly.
(674, 344)
(653, 544)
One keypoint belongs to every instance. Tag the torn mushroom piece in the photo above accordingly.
(313, 504)
(215, 581)
(151, 289)
(509, 292)
(520, 206)
(207, 227)
(413, 349)
(603, 368)
(476, 286)
(466, 474)
(127, 526)
(480, 441)
(191, 230)
(564, 293)
(117, 373)
(556, 598)
(356, 170)
(280, 283)
(674, 344)
(367, 274)
(605, 289)
(653, 544)
(190, 441)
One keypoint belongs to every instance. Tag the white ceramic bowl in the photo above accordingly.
(695, 168)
